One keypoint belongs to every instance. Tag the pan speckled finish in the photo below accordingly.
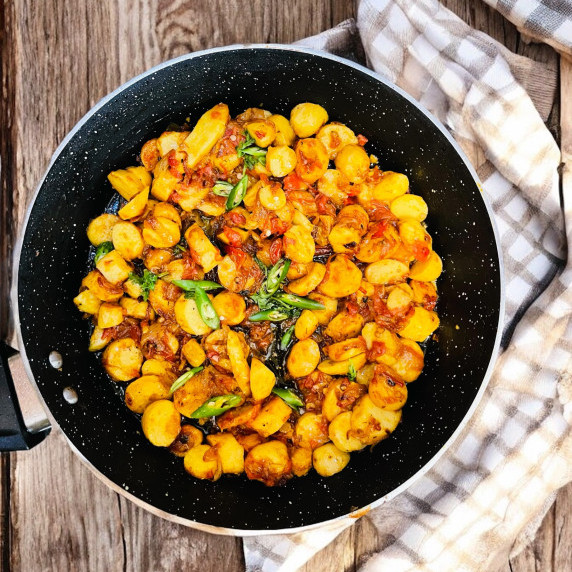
(54, 254)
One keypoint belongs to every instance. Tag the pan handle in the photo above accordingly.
(14, 434)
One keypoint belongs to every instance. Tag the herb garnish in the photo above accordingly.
(146, 282)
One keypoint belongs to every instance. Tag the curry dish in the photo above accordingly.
(263, 288)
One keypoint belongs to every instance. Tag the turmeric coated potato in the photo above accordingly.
(332, 367)
(309, 281)
(161, 423)
(263, 131)
(87, 302)
(271, 417)
(329, 460)
(109, 315)
(301, 461)
(391, 186)
(284, 133)
(237, 349)
(303, 358)
(299, 245)
(311, 160)
(194, 353)
(230, 452)
(130, 182)
(135, 207)
(335, 136)
(341, 396)
(206, 253)
(281, 160)
(311, 431)
(230, 307)
(188, 317)
(340, 433)
(113, 267)
(409, 206)
(387, 390)
(188, 437)
(203, 462)
(143, 391)
(272, 197)
(421, 325)
(370, 424)
(262, 380)
(127, 240)
(306, 325)
(386, 272)
(344, 325)
(307, 118)
(342, 278)
(122, 359)
(269, 463)
(345, 349)
(100, 229)
(331, 307)
(428, 270)
(353, 162)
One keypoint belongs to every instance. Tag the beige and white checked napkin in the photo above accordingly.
(487, 495)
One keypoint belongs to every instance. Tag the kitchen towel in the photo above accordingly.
(486, 496)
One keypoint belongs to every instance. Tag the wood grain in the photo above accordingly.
(57, 59)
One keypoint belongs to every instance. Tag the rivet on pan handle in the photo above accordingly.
(17, 434)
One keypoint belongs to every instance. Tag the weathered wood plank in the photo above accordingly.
(62, 517)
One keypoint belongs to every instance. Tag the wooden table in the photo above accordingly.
(58, 58)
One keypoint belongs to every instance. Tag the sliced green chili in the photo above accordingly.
(271, 315)
(287, 337)
(276, 275)
(103, 249)
(180, 381)
(216, 406)
(237, 193)
(191, 285)
(206, 309)
(299, 302)
(222, 188)
(289, 397)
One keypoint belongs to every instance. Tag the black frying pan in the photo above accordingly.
(54, 254)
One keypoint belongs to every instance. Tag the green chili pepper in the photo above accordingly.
(287, 337)
(271, 315)
(299, 302)
(289, 397)
(237, 193)
(222, 188)
(206, 309)
(191, 285)
(352, 373)
(276, 275)
(103, 249)
(180, 381)
(216, 406)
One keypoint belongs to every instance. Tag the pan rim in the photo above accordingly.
(493, 357)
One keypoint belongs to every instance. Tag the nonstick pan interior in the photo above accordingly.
(75, 190)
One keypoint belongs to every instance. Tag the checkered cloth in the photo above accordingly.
(486, 496)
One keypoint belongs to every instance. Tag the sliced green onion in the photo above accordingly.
(206, 309)
(287, 337)
(192, 285)
(180, 381)
(288, 396)
(299, 302)
(271, 315)
(216, 406)
(103, 249)
(276, 275)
